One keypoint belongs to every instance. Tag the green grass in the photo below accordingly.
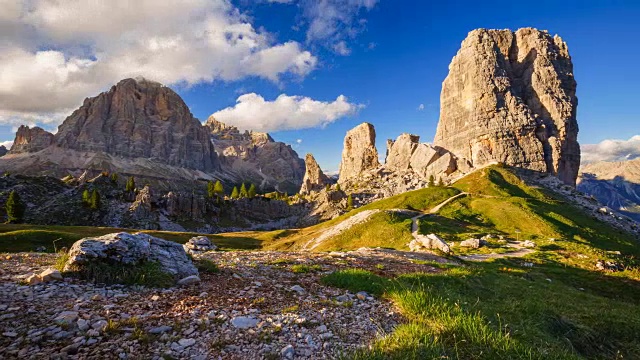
(207, 266)
(25, 237)
(303, 269)
(147, 274)
(485, 312)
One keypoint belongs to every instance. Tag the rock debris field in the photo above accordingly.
(260, 305)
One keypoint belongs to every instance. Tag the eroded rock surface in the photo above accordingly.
(359, 153)
(314, 179)
(510, 97)
(30, 140)
(131, 249)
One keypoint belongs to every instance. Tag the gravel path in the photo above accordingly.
(255, 307)
(338, 228)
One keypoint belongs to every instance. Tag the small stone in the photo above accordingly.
(343, 298)
(244, 322)
(155, 298)
(362, 295)
(189, 280)
(96, 297)
(11, 334)
(71, 349)
(66, 318)
(51, 275)
(83, 325)
(99, 325)
(287, 352)
(298, 289)
(186, 342)
(33, 280)
(160, 329)
(528, 244)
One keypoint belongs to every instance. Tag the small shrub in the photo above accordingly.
(303, 269)
(61, 260)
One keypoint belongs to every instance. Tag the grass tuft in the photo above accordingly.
(147, 274)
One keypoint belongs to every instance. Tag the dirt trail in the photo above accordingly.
(338, 228)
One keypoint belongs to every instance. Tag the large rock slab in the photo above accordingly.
(510, 97)
(131, 249)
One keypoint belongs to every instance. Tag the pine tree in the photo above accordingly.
(350, 202)
(243, 191)
(338, 187)
(218, 189)
(15, 208)
(252, 191)
(131, 185)
(440, 182)
(210, 189)
(86, 197)
(114, 178)
(432, 180)
(234, 193)
(327, 188)
(95, 199)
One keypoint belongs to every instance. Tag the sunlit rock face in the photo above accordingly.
(510, 97)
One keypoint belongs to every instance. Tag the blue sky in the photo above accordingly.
(398, 56)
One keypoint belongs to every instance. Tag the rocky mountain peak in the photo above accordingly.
(314, 179)
(222, 131)
(30, 140)
(140, 118)
(359, 153)
(510, 97)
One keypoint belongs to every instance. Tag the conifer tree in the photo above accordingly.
(131, 184)
(338, 187)
(243, 191)
(234, 193)
(327, 188)
(95, 199)
(114, 178)
(252, 191)
(210, 189)
(432, 180)
(86, 197)
(350, 202)
(218, 189)
(15, 208)
(440, 182)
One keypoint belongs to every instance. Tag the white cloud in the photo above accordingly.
(333, 21)
(611, 150)
(299, 141)
(7, 144)
(341, 48)
(253, 112)
(55, 53)
(420, 107)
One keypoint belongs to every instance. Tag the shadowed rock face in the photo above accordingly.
(30, 140)
(3, 150)
(314, 178)
(140, 118)
(510, 97)
(359, 153)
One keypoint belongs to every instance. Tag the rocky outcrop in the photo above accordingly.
(131, 249)
(399, 152)
(139, 118)
(29, 140)
(510, 97)
(314, 179)
(359, 153)
(3, 150)
(255, 157)
(141, 214)
(199, 245)
(185, 205)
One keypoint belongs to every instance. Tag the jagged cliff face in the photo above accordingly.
(256, 157)
(359, 153)
(31, 140)
(140, 119)
(314, 179)
(511, 97)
